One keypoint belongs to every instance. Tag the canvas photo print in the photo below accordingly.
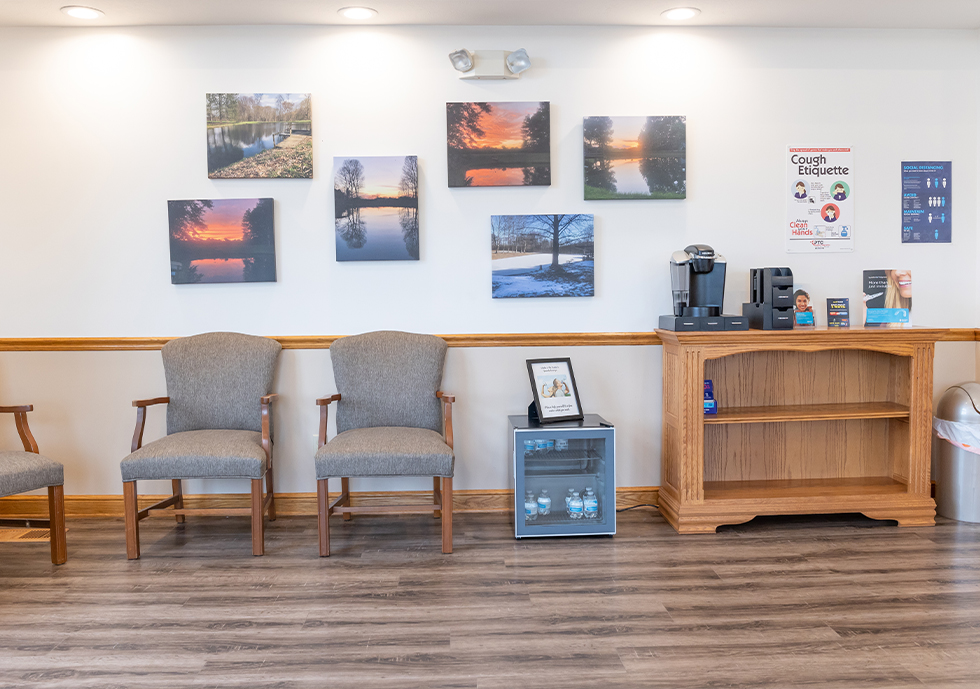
(376, 208)
(542, 255)
(635, 157)
(499, 144)
(227, 240)
(259, 135)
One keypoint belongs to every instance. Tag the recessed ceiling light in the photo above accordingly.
(679, 14)
(79, 12)
(357, 12)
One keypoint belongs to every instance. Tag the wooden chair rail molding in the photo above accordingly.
(129, 344)
(291, 504)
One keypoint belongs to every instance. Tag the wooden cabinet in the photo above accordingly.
(810, 421)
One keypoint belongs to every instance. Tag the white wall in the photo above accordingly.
(102, 127)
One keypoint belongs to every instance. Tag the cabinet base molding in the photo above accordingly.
(907, 510)
(292, 504)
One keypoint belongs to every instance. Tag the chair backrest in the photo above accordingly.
(215, 380)
(388, 378)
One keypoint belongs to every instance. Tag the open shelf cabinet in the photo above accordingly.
(813, 421)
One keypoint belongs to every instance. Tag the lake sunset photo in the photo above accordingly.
(499, 144)
(635, 157)
(227, 240)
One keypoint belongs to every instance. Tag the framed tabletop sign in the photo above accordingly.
(555, 393)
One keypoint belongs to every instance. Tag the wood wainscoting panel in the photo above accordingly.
(292, 504)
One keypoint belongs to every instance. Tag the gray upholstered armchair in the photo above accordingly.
(21, 472)
(219, 425)
(392, 420)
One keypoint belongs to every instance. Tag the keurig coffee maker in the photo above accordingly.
(697, 279)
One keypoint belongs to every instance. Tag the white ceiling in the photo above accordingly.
(906, 14)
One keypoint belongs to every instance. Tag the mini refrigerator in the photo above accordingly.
(564, 477)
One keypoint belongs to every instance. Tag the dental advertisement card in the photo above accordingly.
(927, 202)
(819, 200)
(887, 297)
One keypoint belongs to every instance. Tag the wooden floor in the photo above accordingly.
(795, 602)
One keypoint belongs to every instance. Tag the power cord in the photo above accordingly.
(633, 507)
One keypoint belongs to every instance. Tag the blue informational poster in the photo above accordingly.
(927, 202)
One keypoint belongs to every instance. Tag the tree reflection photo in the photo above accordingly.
(259, 135)
(635, 157)
(376, 208)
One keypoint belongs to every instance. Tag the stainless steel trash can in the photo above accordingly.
(958, 471)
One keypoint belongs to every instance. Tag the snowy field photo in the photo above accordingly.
(542, 256)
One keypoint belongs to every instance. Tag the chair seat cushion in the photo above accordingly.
(198, 454)
(24, 471)
(385, 451)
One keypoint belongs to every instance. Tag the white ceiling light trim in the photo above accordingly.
(357, 13)
(680, 14)
(80, 12)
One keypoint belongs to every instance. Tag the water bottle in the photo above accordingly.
(530, 507)
(551, 446)
(544, 502)
(568, 498)
(528, 448)
(590, 505)
(575, 506)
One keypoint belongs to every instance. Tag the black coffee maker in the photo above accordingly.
(697, 280)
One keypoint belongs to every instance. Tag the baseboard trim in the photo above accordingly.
(292, 504)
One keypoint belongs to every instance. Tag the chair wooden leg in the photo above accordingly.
(345, 491)
(322, 516)
(272, 494)
(447, 514)
(258, 518)
(436, 495)
(179, 492)
(131, 510)
(56, 515)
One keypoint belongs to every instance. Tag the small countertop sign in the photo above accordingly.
(837, 313)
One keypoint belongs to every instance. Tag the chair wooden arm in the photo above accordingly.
(267, 401)
(23, 430)
(448, 414)
(151, 402)
(141, 406)
(324, 404)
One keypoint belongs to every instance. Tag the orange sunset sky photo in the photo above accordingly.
(224, 220)
(502, 126)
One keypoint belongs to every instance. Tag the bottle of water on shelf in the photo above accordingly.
(530, 507)
(568, 499)
(575, 506)
(544, 502)
(590, 504)
(529, 450)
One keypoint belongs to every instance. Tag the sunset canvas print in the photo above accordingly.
(229, 240)
(542, 255)
(376, 208)
(259, 135)
(635, 157)
(499, 144)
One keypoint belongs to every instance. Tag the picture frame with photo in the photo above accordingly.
(555, 392)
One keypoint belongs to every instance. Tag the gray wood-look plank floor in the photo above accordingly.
(833, 602)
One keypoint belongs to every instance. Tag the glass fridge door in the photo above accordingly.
(565, 481)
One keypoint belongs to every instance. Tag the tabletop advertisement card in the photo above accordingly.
(803, 314)
(887, 297)
(819, 200)
(837, 313)
(927, 202)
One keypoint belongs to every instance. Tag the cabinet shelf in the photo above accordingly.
(802, 488)
(809, 412)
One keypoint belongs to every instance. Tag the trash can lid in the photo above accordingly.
(960, 403)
